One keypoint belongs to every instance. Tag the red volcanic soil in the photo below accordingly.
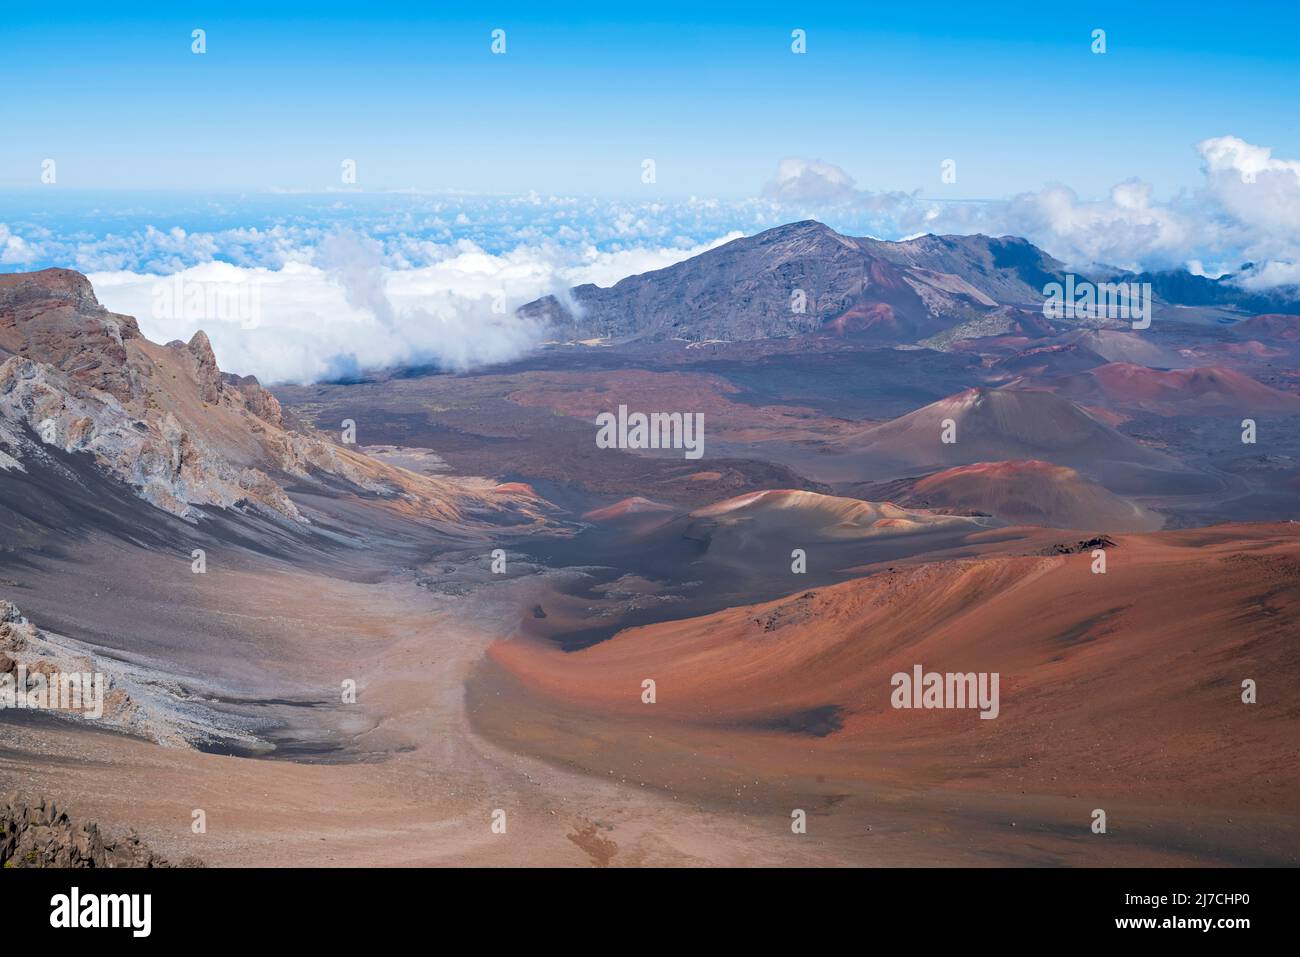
(1086, 349)
(1271, 326)
(1123, 686)
(1031, 493)
(631, 518)
(1109, 416)
(516, 488)
(998, 425)
(636, 505)
(1175, 391)
(874, 317)
(1252, 348)
(891, 309)
(584, 395)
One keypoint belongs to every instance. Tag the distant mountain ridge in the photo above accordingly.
(805, 278)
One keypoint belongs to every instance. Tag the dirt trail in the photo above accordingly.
(427, 797)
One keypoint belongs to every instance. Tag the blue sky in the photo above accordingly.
(285, 92)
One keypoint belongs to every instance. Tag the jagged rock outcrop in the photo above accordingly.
(40, 833)
(206, 373)
(1082, 545)
(259, 401)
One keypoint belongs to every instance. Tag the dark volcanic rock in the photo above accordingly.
(41, 834)
(1083, 545)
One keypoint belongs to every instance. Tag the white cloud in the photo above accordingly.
(607, 268)
(812, 182)
(1235, 155)
(1126, 229)
(14, 250)
(348, 311)
(1270, 275)
(1244, 211)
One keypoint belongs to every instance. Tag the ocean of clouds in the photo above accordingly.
(352, 303)
(324, 285)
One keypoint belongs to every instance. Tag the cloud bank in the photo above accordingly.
(1244, 211)
(346, 307)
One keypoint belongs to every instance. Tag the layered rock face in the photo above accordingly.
(165, 420)
(170, 465)
(53, 315)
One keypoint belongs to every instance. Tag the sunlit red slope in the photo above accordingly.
(992, 425)
(1212, 389)
(1031, 493)
(1127, 682)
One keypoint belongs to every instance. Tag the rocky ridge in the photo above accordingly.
(164, 419)
(804, 278)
